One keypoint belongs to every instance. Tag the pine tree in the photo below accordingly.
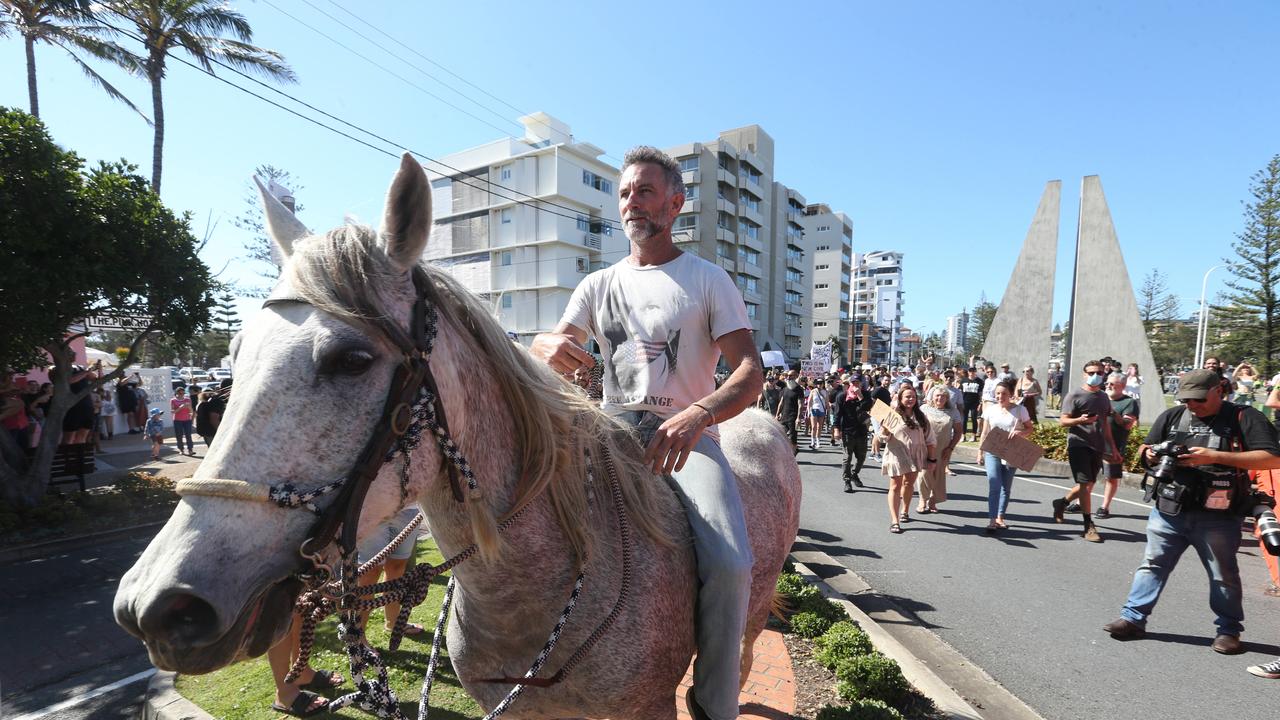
(984, 313)
(1172, 341)
(1249, 311)
(226, 320)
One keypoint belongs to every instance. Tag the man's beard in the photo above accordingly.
(641, 229)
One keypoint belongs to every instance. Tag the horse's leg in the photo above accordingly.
(755, 625)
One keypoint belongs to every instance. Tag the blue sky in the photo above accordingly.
(934, 125)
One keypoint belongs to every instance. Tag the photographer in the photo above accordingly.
(1202, 495)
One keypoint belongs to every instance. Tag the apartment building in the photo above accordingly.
(737, 216)
(956, 339)
(521, 221)
(877, 304)
(830, 234)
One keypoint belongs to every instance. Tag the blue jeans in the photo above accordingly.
(181, 429)
(999, 482)
(708, 490)
(1216, 538)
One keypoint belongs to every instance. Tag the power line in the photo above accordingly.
(383, 68)
(488, 187)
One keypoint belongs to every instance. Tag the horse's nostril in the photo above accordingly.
(189, 619)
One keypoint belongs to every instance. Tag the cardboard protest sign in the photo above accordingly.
(1014, 450)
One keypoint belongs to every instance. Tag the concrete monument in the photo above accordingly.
(1019, 333)
(1104, 310)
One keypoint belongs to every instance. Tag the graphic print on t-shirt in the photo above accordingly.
(645, 350)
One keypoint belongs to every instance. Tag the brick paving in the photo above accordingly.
(770, 690)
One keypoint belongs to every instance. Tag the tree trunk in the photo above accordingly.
(30, 44)
(157, 109)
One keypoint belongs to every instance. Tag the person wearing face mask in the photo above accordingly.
(1086, 412)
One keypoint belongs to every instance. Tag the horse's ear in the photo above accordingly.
(406, 221)
(283, 227)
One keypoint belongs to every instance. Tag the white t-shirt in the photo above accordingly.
(1010, 420)
(657, 326)
(989, 389)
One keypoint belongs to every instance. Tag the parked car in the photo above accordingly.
(219, 374)
(193, 374)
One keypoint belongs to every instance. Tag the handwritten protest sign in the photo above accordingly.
(886, 416)
(1013, 449)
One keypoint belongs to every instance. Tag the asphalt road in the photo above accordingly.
(60, 639)
(1028, 605)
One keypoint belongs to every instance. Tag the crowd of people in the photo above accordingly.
(92, 420)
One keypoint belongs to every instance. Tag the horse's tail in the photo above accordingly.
(779, 606)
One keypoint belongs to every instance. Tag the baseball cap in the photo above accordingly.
(1196, 384)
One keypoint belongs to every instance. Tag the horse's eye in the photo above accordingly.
(352, 362)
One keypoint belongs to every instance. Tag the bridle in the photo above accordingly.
(413, 406)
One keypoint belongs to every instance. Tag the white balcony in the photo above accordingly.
(725, 176)
(726, 235)
(726, 263)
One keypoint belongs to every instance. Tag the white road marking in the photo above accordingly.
(1055, 485)
(85, 697)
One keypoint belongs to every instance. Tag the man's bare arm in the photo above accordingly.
(562, 349)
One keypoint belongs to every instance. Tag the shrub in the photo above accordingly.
(809, 624)
(859, 710)
(789, 567)
(820, 606)
(1053, 438)
(873, 677)
(791, 585)
(841, 641)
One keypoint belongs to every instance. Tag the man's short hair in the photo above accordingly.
(1117, 377)
(649, 154)
(1096, 363)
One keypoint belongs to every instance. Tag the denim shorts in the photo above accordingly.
(382, 535)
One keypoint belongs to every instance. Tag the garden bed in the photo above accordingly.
(137, 498)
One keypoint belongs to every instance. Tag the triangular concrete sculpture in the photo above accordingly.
(1104, 310)
(1019, 333)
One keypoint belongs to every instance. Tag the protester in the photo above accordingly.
(1133, 381)
(1012, 418)
(907, 451)
(1245, 378)
(817, 414)
(1207, 521)
(182, 414)
(881, 394)
(1086, 412)
(155, 432)
(1028, 391)
(789, 402)
(296, 698)
(77, 423)
(1055, 386)
(209, 413)
(127, 402)
(1125, 411)
(143, 399)
(971, 390)
(852, 414)
(946, 425)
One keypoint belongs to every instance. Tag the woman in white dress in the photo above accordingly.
(908, 449)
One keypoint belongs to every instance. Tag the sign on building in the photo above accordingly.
(117, 322)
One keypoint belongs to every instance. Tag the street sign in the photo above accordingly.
(117, 322)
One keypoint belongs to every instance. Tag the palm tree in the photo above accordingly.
(68, 25)
(195, 26)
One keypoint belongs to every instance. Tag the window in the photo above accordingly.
(724, 250)
(820, 323)
(505, 172)
(723, 219)
(686, 222)
(794, 275)
(506, 258)
(506, 301)
(821, 267)
(749, 229)
(752, 257)
(793, 297)
(689, 163)
(584, 223)
(690, 192)
(820, 248)
(821, 286)
(506, 216)
(751, 311)
(819, 305)
(593, 180)
(746, 198)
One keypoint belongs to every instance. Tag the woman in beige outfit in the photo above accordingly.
(908, 449)
(945, 422)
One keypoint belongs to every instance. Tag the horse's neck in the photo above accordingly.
(533, 549)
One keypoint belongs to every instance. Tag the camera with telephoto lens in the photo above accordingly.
(1268, 525)
(1167, 454)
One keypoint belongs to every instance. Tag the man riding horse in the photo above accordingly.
(663, 318)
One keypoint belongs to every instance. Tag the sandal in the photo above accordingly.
(905, 518)
(303, 706)
(896, 529)
(410, 629)
(324, 680)
(992, 528)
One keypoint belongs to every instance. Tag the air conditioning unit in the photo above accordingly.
(583, 266)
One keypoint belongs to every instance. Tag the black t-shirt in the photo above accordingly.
(883, 395)
(852, 415)
(789, 405)
(204, 423)
(972, 390)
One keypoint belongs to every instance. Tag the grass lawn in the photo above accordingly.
(246, 691)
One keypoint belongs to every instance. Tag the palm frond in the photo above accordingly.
(253, 59)
(106, 86)
(218, 19)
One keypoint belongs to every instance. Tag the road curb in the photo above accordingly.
(948, 702)
(35, 551)
(164, 702)
(1044, 466)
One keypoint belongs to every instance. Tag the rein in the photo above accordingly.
(413, 405)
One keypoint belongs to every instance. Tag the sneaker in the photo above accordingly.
(1091, 534)
(1271, 670)
(1124, 629)
(1059, 508)
(1102, 513)
(1073, 507)
(1272, 591)
(848, 487)
(857, 481)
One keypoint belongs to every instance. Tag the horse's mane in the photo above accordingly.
(554, 423)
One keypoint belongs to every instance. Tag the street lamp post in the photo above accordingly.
(1202, 322)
